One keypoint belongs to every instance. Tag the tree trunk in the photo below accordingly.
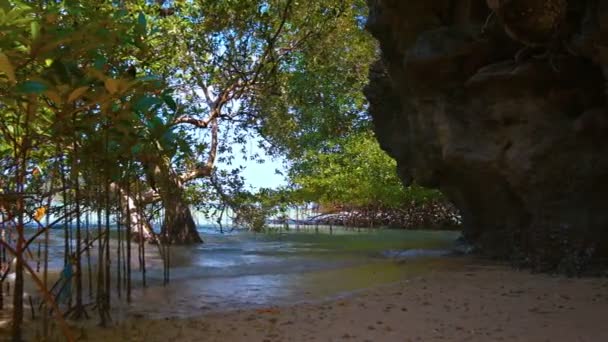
(139, 224)
(178, 224)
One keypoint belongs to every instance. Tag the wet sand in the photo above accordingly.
(476, 303)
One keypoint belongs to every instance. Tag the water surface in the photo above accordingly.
(240, 269)
(244, 269)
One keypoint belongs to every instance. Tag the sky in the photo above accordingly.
(257, 175)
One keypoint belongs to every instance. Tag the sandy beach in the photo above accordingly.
(478, 303)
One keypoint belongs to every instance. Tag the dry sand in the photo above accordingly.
(479, 303)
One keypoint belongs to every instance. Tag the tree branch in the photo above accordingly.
(205, 170)
(186, 119)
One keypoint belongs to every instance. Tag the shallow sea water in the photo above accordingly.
(240, 269)
(243, 270)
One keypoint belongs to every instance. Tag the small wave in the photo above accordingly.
(414, 253)
(217, 249)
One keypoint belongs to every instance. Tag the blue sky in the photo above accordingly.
(257, 175)
(263, 175)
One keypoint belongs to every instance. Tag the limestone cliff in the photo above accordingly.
(521, 147)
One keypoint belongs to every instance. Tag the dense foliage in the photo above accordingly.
(354, 177)
(355, 171)
(166, 88)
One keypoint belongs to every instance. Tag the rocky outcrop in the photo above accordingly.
(521, 147)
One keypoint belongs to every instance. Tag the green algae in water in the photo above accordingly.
(366, 241)
(333, 282)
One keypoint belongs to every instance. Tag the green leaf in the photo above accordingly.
(5, 5)
(145, 103)
(121, 13)
(170, 102)
(149, 78)
(32, 87)
(35, 28)
(169, 139)
(21, 6)
(141, 22)
(136, 149)
(100, 62)
(7, 68)
(156, 126)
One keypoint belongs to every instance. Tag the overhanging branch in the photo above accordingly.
(206, 169)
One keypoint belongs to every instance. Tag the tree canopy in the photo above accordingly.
(355, 172)
(149, 95)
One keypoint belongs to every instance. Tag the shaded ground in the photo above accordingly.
(477, 303)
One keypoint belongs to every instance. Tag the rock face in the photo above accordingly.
(521, 148)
